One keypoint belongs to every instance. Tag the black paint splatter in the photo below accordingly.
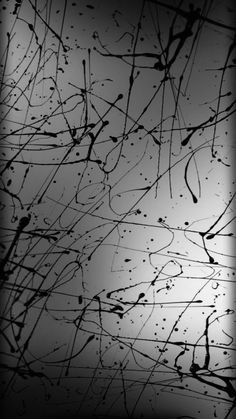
(117, 209)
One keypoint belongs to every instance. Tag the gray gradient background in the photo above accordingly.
(107, 379)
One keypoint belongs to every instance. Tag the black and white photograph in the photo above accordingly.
(117, 209)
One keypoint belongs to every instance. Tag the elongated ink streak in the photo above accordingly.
(24, 221)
